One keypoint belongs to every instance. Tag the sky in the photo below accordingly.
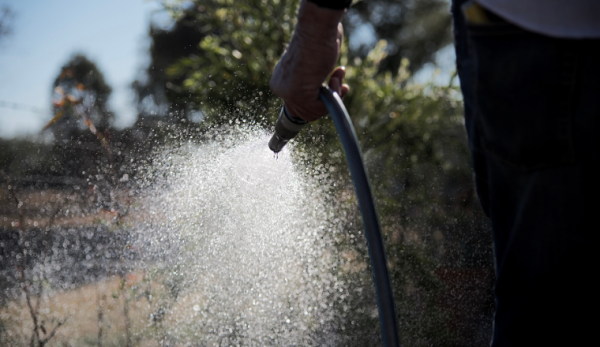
(112, 33)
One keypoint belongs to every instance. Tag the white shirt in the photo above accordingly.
(575, 19)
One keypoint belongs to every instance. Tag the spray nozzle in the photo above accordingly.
(286, 128)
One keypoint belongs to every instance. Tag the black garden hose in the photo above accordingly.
(360, 178)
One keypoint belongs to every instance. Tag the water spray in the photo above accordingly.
(288, 127)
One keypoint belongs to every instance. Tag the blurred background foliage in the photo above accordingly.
(414, 29)
(6, 21)
(234, 47)
(219, 54)
(79, 97)
(210, 67)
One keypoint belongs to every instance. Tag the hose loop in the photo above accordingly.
(366, 202)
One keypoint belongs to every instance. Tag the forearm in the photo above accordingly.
(316, 22)
(314, 48)
(310, 57)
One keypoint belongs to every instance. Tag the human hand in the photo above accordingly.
(309, 59)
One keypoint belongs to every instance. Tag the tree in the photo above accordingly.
(81, 119)
(157, 92)
(413, 29)
(212, 45)
(237, 58)
(79, 97)
(6, 17)
(222, 53)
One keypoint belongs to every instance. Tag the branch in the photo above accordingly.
(12, 191)
(53, 217)
(54, 119)
(32, 311)
(53, 332)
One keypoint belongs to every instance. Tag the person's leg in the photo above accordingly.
(532, 125)
(464, 69)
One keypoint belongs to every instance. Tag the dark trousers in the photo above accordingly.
(532, 113)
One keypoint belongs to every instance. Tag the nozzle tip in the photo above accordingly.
(276, 143)
(286, 129)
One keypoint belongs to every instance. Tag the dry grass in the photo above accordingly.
(80, 307)
(54, 207)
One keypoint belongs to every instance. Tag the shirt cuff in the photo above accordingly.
(332, 4)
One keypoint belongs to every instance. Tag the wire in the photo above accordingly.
(22, 107)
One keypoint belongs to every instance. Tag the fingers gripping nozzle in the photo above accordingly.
(286, 128)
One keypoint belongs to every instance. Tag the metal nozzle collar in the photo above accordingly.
(286, 128)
